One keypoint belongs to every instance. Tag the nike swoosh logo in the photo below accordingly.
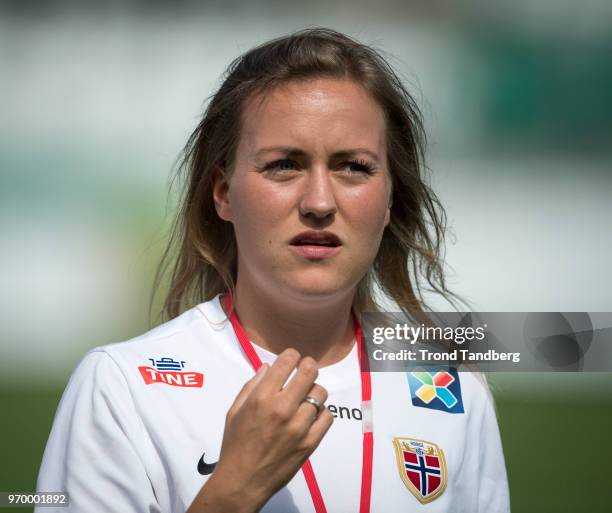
(205, 468)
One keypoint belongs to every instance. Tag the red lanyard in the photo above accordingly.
(366, 395)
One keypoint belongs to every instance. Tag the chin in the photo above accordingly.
(318, 286)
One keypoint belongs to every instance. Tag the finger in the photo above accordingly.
(307, 412)
(279, 372)
(301, 382)
(248, 387)
(318, 429)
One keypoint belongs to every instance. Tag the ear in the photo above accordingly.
(220, 191)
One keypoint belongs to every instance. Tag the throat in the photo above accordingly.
(325, 334)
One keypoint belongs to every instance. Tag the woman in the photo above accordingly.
(304, 189)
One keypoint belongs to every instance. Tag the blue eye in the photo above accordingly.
(361, 166)
(352, 166)
(280, 165)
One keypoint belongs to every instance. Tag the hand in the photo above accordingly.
(269, 433)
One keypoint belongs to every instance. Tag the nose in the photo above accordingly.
(318, 199)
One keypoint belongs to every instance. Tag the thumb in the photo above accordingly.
(249, 386)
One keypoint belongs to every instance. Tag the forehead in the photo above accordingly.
(317, 114)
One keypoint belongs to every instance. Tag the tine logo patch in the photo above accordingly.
(168, 371)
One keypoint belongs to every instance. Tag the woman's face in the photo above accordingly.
(311, 158)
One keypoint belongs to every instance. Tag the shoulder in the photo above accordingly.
(200, 326)
(476, 392)
(193, 340)
(475, 384)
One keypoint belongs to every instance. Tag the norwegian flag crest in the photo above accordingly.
(422, 467)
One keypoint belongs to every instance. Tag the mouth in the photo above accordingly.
(315, 245)
(316, 238)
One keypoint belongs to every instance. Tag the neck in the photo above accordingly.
(322, 330)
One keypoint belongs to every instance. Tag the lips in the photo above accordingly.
(316, 238)
(315, 245)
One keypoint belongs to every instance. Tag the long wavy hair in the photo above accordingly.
(202, 251)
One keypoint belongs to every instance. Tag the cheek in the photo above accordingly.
(256, 213)
(371, 211)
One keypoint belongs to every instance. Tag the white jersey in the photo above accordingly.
(141, 423)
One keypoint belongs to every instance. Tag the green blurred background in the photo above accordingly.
(96, 103)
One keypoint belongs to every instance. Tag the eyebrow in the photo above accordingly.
(293, 151)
